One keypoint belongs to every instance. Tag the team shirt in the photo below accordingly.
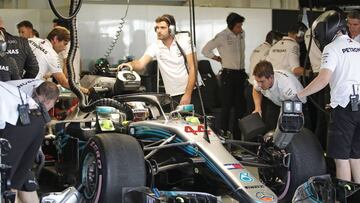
(259, 54)
(285, 54)
(285, 87)
(171, 64)
(341, 58)
(357, 38)
(314, 53)
(8, 69)
(11, 90)
(231, 48)
(46, 56)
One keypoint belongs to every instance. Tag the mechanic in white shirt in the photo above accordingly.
(353, 23)
(259, 54)
(179, 81)
(46, 52)
(285, 54)
(339, 68)
(230, 43)
(25, 139)
(277, 86)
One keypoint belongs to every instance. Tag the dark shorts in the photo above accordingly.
(344, 134)
(25, 143)
(30, 183)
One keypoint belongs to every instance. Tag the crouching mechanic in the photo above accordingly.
(32, 98)
(277, 86)
(340, 68)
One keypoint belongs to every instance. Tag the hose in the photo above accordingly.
(118, 32)
(74, 9)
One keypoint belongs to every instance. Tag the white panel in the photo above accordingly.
(12, 17)
(98, 24)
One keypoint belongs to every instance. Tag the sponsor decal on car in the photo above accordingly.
(233, 166)
(264, 197)
(254, 187)
(245, 177)
(199, 129)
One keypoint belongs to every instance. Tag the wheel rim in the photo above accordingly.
(277, 179)
(90, 176)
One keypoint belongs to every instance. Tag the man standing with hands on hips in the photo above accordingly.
(339, 68)
(230, 44)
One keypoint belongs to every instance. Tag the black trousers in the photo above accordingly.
(232, 88)
(195, 100)
(25, 143)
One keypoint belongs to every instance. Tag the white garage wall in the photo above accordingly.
(97, 25)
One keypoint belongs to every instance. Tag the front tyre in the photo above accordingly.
(111, 162)
(306, 160)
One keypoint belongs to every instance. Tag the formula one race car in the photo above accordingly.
(146, 149)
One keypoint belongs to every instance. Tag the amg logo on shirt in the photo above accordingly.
(279, 50)
(38, 46)
(4, 68)
(346, 50)
(13, 51)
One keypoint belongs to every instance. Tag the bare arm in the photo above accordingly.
(298, 71)
(140, 64)
(257, 98)
(63, 81)
(317, 84)
(186, 98)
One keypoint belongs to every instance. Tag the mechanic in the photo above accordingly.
(25, 29)
(285, 54)
(18, 48)
(258, 55)
(353, 23)
(46, 52)
(63, 54)
(179, 80)
(8, 67)
(277, 86)
(24, 137)
(339, 68)
(230, 44)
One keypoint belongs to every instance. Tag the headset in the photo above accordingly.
(171, 22)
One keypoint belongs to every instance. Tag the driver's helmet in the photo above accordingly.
(326, 26)
(102, 65)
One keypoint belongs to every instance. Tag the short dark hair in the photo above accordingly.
(354, 14)
(49, 90)
(263, 69)
(273, 35)
(62, 23)
(233, 18)
(294, 28)
(169, 19)
(36, 33)
(61, 33)
(25, 23)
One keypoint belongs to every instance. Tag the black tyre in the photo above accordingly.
(306, 160)
(109, 163)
